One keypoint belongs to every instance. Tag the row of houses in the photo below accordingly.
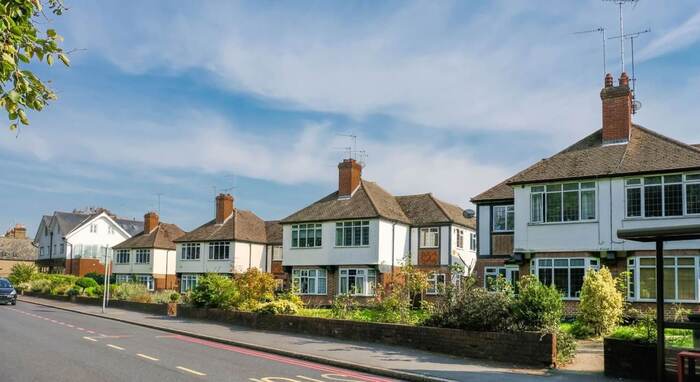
(556, 220)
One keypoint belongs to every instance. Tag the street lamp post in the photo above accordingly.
(105, 294)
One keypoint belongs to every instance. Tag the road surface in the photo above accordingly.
(38, 343)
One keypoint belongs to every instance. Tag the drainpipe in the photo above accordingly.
(393, 250)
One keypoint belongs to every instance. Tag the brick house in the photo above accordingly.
(559, 217)
(356, 237)
(149, 256)
(16, 248)
(233, 242)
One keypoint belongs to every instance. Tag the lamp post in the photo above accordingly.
(105, 294)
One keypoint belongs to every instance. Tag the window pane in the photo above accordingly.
(510, 218)
(338, 236)
(365, 235)
(357, 236)
(634, 202)
(669, 283)
(588, 185)
(545, 276)
(570, 186)
(561, 280)
(499, 218)
(673, 198)
(693, 198)
(571, 206)
(652, 201)
(318, 237)
(588, 205)
(647, 283)
(652, 180)
(553, 207)
(686, 284)
(673, 178)
(537, 189)
(536, 207)
(576, 280)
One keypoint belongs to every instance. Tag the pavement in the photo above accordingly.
(372, 358)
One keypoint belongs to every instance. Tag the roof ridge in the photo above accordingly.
(369, 196)
(438, 203)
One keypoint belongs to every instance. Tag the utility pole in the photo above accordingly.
(105, 294)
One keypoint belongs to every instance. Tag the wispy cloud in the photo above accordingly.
(673, 40)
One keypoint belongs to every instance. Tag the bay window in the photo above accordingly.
(119, 278)
(436, 283)
(358, 282)
(661, 196)
(503, 218)
(430, 237)
(309, 281)
(680, 279)
(510, 274)
(306, 235)
(567, 202)
(146, 280)
(219, 250)
(565, 274)
(352, 233)
(459, 235)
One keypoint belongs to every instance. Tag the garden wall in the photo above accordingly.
(526, 348)
(635, 360)
(155, 309)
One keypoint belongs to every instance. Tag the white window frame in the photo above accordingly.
(93, 227)
(472, 241)
(122, 278)
(560, 189)
(188, 281)
(219, 251)
(190, 251)
(277, 253)
(429, 237)
(639, 183)
(316, 229)
(459, 238)
(319, 277)
(634, 265)
(588, 264)
(120, 255)
(505, 271)
(142, 256)
(358, 230)
(508, 209)
(368, 276)
(436, 284)
(146, 280)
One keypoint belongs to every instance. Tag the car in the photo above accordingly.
(8, 294)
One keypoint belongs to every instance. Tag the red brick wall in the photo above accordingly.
(349, 176)
(617, 110)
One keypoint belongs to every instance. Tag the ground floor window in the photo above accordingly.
(436, 283)
(358, 282)
(680, 278)
(566, 274)
(119, 279)
(146, 280)
(188, 282)
(309, 281)
(510, 275)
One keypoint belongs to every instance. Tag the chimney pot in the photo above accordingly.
(150, 222)
(624, 79)
(224, 207)
(349, 177)
(608, 80)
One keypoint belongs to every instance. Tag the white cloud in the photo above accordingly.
(680, 37)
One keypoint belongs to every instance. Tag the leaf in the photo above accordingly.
(13, 95)
(64, 59)
(23, 117)
(13, 127)
(51, 33)
(49, 60)
(7, 58)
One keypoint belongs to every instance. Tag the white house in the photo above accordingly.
(560, 216)
(355, 237)
(235, 241)
(149, 256)
(76, 242)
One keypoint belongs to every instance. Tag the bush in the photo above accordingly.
(602, 303)
(92, 292)
(277, 307)
(86, 282)
(566, 348)
(130, 292)
(537, 307)
(476, 309)
(40, 286)
(21, 273)
(63, 289)
(254, 287)
(73, 291)
(165, 296)
(215, 291)
(343, 305)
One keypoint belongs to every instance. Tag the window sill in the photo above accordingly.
(219, 260)
(298, 248)
(190, 260)
(435, 247)
(645, 218)
(558, 223)
(350, 246)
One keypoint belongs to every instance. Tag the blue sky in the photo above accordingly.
(449, 97)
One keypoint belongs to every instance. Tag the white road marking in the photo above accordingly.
(148, 357)
(70, 326)
(195, 372)
(115, 347)
(81, 329)
(90, 339)
(91, 332)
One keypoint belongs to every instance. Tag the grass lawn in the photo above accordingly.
(365, 314)
(681, 338)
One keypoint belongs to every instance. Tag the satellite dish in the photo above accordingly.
(469, 213)
(636, 105)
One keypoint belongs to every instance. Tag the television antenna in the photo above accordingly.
(620, 3)
(159, 194)
(353, 148)
(602, 31)
(636, 105)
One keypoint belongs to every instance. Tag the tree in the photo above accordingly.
(22, 42)
(21, 273)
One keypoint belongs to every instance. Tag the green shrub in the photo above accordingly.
(537, 307)
(215, 291)
(63, 289)
(174, 297)
(342, 306)
(476, 309)
(602, 303)
(73, 291)
(21, 273)
(254, 287)
(277, 307)
(131, 292)
(566, 348)
(40, 286)
(86, 282)
(291, 297)
(165, 296)
(92, 292)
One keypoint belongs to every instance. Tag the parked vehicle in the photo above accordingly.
(8, 294)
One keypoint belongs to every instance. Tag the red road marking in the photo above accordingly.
(282, 359)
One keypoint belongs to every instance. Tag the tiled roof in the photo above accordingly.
(273, 229)
(501, 191)
(133, 227)
(646, 152)
(17, 249)
(240, 226)
(368, 201)
(162, 237)
(68, 221)
(425, 209)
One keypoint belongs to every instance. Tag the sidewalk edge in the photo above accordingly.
(306, 357)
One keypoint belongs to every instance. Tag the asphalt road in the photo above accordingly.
(38, 343)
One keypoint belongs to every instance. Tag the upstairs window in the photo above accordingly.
(352, 233)
(93, 227)
(430, 237)
(219, 250)
(460, 238)
(565, 202)
(660, 196)
(307, 235)
(472, 241)
(190, 251)
(122, 256)
(503, 218)
(143, 256)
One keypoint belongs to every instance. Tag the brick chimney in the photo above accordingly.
(150, 222)
(617, 110)
(224, 207)
(349, 176)
(17, 232)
